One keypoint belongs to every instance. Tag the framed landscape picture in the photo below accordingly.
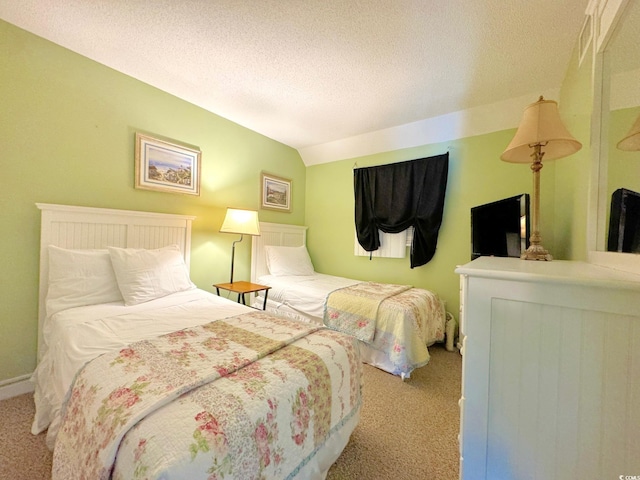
(275, 193)
(166, 166)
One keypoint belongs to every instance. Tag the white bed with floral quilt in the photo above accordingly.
(394, 324)
(142, 375)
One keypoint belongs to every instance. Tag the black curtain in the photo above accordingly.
(394, 197)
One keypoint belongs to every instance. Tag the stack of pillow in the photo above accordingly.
(89, 277)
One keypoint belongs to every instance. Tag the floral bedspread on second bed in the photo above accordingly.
(250, 396)
(406, 322)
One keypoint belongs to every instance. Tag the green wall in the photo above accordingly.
(476, 176)
(573, 173)
(67, 136)
(623, 167)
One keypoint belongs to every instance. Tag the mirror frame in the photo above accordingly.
(606, 15)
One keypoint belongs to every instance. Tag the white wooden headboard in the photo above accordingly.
(86, 227)
(273, 234)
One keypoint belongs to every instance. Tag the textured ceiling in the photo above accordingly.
(311, 72)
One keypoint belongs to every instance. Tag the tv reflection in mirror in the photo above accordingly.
(501, 228)
(624, 222)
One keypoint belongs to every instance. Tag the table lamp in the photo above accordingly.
(243, 222)
(541, 133)
(631, 142)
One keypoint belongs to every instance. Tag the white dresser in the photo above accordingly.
(551, 371)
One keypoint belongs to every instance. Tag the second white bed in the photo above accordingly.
(397, 347)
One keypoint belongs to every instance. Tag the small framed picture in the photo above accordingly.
(166, 166)
(275, 193)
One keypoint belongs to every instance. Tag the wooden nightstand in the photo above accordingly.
(242, 288)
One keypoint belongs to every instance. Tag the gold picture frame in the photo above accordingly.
(166, 166)
(275, 193)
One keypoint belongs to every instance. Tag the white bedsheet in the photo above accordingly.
(75, 336)
(304, 293)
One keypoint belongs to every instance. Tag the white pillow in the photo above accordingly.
(78, 278)
(288, 260)
(145, 275)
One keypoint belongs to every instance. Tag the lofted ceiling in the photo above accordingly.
(314, 72)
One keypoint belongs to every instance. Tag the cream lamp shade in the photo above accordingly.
(541, 133)
(541, 125)
(631, 143)
(244, 222)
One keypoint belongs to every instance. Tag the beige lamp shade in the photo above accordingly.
(631, 143)
(244, 222)
(541, 125)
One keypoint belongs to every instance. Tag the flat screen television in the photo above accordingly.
(501, 228)
(624, 222)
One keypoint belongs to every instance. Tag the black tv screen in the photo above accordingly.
(501, 228)
(624, 222)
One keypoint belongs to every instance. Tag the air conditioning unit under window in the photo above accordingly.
(392, 245)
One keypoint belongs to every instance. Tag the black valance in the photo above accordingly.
(394, 197)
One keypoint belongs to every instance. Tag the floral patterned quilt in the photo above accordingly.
(250, 396)
(354, 309)
(407, 321)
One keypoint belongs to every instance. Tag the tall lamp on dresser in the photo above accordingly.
(631, 141)
(541, 134)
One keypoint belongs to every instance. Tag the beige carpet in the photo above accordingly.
(408, 430)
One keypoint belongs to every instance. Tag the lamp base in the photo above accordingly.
(536, 252)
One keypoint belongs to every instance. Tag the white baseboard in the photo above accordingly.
(15, 386)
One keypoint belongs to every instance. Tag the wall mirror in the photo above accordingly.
(616, 109)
